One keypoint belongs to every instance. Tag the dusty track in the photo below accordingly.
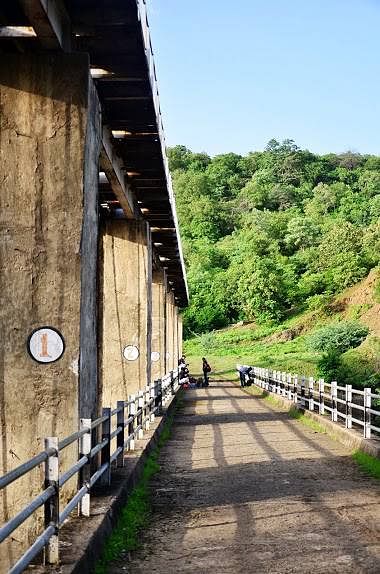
(244, 488)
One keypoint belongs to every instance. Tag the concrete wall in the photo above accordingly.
(158, 323)
(169, 331)
(125, 308)
(49, 137)
(180, 335)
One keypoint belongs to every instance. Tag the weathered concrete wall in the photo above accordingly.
(48, 137)
(180, 335)
(125, 316)
(169, 331)
(158, 324)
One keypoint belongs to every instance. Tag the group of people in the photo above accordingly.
(186, 380)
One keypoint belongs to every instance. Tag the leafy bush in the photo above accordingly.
(329, 366)
(338, 338)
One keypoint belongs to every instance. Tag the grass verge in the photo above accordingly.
(135, 514)
(369, 464)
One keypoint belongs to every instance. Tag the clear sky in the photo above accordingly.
(234, 74)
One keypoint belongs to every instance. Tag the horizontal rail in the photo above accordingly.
(25, 467)
(132, 418)
(32, 552)
(337, 400)
(15, 522)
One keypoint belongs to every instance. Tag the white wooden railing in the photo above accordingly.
(355, 407)
(95, 439)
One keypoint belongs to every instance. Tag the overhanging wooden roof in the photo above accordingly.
(115, 34)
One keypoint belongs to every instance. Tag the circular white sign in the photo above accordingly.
(46, 345)
(155, 356)
(131, 353)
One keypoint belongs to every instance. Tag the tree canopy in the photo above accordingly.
(273, 230)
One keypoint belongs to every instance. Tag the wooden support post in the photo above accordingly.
(132, 423)
(105, 479)
(367, 414)
(85, 471)
(159, 396)
(147, 408)
(303, 391)
(348, 406)
(311, 394)
(153, 399)
(121, 436)
(140, 418)
(334, 404)
(296, 396)
(321, 384)
(51, 507)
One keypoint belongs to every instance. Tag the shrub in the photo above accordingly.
(329, 366)
(339, 337)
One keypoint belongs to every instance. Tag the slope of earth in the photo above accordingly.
(285, 347)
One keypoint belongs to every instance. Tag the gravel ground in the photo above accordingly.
(244, 488)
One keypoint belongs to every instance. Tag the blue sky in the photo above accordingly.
(233, 75)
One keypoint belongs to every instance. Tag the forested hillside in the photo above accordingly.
(274, 232)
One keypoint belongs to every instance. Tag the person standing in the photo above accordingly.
(206, 369)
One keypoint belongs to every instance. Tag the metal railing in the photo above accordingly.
(356, 408)
(95, 440)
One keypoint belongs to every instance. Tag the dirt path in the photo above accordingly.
(244, 488)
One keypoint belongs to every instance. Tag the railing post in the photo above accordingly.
(147, 408)
(295, 389)
(334, 404)
(321, 384)
(367, 414)
(132, 423)
(51, 509)
(311, 394)
(303, 391)
(120, 422)
(85, 471)
(140, 417)
(348, 406)
(289, 382)
(153, 399)
(105, 479)
(159, 396)
(172, 382)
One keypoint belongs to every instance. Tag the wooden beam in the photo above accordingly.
(50, 21)
(113, 167)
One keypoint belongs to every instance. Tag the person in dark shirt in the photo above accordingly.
(243, 371)
(206, 369)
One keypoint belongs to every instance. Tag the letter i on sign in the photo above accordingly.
(44, 345)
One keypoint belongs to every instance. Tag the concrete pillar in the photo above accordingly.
(125, 309)
(180, 335)
(158, 324)
(169, 331)
(176, 342)
(49, 145)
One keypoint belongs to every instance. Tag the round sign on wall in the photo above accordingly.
(155, 356)
(46, 345)
(131, 353)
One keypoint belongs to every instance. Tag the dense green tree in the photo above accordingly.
(274, 229)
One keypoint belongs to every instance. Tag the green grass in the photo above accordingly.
(369, 464)
(135, 515)
(306, 421)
